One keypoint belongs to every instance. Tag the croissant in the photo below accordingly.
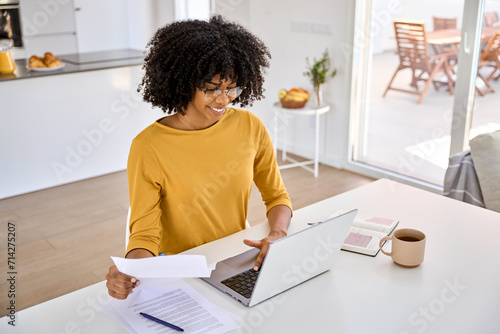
(36, 62)
(56, 62)
(48, 60)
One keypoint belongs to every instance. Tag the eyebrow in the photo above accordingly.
(218, 84)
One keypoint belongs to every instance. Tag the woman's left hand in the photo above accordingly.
(279, 220)
(263, 245)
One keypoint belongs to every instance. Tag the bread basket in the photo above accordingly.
(293, 104)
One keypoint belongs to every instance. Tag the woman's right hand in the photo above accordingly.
(120, 285)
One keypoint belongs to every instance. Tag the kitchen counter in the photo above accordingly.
(74, 63)
(66, 128)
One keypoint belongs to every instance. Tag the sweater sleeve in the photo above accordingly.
(145, 179)
(267, 176)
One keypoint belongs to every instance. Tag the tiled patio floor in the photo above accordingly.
(414, 139)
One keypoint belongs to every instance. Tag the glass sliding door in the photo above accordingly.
(397, 131)
(486, 115)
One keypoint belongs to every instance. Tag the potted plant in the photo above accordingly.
(318, 72)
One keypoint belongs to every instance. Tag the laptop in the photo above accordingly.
(289, 261)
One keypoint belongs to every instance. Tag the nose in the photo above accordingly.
(223, 98)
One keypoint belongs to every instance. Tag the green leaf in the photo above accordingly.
(320, 69)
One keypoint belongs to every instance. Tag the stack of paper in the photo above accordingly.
(175, 302)
(163, 295)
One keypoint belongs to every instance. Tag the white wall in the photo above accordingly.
(192, 9)
(145, 17)
(272, 22)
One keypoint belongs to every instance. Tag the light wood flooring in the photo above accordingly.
(66, 235)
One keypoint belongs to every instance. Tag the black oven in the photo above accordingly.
(10, 22)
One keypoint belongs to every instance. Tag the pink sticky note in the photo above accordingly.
(357, 239)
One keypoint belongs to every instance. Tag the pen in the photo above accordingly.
(150, 317)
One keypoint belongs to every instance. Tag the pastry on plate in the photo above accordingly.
(36, 62)
(48, 60)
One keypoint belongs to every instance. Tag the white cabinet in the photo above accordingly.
(65, 128)
(79, 26)
(48, 26)
(49, 17)
(101, 25)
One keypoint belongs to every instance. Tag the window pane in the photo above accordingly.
(405, 132)
(486, 116)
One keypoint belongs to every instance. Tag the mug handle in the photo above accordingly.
(380, 245)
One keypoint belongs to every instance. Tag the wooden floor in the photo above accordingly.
(66, 235)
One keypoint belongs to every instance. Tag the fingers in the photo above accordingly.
(263, 245)
(119, 284)
(253, 243)
(260, 259)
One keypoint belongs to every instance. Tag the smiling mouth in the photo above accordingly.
(217, 110)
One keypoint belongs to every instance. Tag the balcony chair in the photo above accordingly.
(491, 19)
(441, 23)
(413, 52)
(489, 58)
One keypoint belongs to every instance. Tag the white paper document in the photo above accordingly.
(177, 303)
(170, 266)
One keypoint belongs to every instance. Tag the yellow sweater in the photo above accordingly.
(188, 188)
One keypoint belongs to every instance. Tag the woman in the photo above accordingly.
(190, 174)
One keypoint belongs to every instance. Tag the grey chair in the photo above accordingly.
(473, 176)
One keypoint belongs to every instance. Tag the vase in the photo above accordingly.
(318, 95)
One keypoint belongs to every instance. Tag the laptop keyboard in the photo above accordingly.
(243, 283)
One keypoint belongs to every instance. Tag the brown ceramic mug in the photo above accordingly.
(408, 247)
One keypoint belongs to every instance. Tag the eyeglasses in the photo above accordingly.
(213, 94)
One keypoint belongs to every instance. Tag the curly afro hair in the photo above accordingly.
(185, 55)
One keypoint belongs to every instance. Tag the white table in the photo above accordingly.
(281, 116)
(455, 290)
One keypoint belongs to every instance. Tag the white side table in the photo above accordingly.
(283, 113)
